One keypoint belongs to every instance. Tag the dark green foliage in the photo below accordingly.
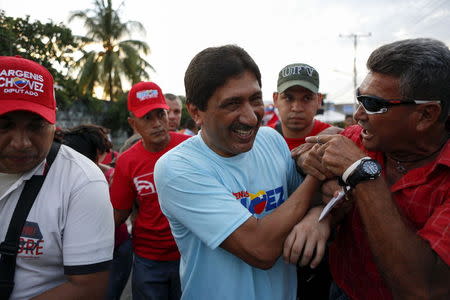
(117, 115)
(51, 45)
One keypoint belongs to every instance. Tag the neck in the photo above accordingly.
(421, 152)
(156, 147)
(297, 134)
(402, 162)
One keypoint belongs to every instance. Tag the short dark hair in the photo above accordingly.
(211, 69)
(88, 139)
(422, 66)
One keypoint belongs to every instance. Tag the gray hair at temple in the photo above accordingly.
(172, 97)
(422, 66)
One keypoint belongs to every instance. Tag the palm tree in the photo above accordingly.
(118, 59)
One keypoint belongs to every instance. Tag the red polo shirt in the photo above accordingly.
(422, 195)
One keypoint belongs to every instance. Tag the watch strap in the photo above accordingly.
(352, 168)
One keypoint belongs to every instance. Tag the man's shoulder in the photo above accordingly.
(269, 142)
(186, 149)
(269, 135)
(186, 157)
(134, 152)
(320, 124)
(179, 137)
(72, 163)
(267, 131)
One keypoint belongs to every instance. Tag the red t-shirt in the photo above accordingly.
(422, 197)
(319, 126)
(133, 179)
(109, 157)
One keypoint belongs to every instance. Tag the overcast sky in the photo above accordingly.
(275, 32)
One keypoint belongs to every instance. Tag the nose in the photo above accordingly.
(156, 123)
(249, 115)
(20, 140)
(360, 113)
(296, 105)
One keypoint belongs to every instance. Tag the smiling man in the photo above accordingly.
(155, 269)
(394, 240)
(231, 193)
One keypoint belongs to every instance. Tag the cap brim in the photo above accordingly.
(306, 84)
(145, 110)
(47, 113)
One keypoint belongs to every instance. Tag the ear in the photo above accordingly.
(195, 113)
(131, 122)
(320, 99)
(275, 99)
(428, 115)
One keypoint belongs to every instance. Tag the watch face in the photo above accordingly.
(371, 167)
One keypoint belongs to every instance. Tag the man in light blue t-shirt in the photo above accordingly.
(231, 193)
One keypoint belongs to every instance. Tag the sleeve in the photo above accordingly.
(437, 231)
(122, 190)
(200, 203)
(88, 236)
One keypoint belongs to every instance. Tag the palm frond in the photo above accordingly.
(119, 60)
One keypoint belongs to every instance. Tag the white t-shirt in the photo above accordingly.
(70, 228)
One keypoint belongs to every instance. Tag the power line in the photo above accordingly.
(355, 37)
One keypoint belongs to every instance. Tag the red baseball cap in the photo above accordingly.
(145, 97)
(26, 85)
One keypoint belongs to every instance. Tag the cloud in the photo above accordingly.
(275, 33)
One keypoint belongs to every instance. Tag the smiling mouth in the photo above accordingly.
(244, 134)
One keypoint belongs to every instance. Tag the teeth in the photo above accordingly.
(243, 132)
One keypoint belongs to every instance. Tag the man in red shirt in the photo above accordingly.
(297, 99)
(155, 269)
(394, 239)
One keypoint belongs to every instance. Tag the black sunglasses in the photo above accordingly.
(377, 105)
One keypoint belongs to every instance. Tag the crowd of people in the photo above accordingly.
(229, 207)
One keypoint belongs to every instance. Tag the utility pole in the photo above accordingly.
(355, 37)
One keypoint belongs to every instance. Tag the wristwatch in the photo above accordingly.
(367, 169)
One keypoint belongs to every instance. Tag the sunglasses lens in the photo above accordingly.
(371, 105)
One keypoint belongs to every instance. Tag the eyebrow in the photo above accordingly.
(258, 93)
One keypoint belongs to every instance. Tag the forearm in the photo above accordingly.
(264, 237)
(86, 289)
(407, 263)
(288, 214)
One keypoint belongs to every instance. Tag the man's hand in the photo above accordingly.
(308, 158)
(307, 237)
(336, 151)
(329, 189)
